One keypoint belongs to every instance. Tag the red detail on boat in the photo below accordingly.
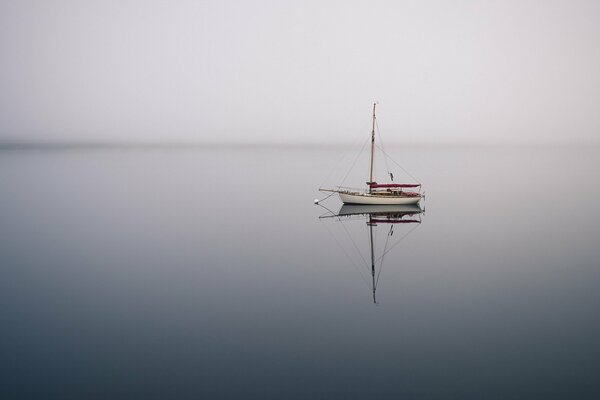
(394, 185)
(395, 221)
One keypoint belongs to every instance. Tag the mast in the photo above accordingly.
(372, 149)
(371, 223)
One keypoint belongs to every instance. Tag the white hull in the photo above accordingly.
(360, 198)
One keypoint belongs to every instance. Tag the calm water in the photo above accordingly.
(207, 273)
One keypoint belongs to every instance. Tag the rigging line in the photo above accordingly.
(328, 211)
(399, 241)
(337, 164)
(354, 264)
(325, 198)
(387, 167)
(355, 246)
(401, 167)
(346, 153)
(355, 160)
(384, 249)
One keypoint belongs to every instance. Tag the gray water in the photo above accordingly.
(207, 273)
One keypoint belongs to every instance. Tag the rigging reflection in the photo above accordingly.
(397, 221)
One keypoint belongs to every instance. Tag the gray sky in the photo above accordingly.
(300, 71)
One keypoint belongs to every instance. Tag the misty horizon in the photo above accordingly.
(522, 73)
(77, 144)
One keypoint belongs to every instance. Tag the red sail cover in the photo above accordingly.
(394, 185)
(395, 221)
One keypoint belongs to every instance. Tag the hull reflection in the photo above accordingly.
(356, 209)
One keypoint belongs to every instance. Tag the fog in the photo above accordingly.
(444, 72)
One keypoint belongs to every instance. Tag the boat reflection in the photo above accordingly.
(377, 217)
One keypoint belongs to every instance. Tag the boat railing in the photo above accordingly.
(351, 189)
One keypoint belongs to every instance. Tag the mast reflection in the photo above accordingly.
(377, 217)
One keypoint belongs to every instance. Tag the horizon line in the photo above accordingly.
(116, 144)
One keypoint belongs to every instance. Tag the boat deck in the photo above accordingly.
(386, 194)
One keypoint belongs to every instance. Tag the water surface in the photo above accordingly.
(207, 273)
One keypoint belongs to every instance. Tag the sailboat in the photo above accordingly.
(378, 215)
(379, 193)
